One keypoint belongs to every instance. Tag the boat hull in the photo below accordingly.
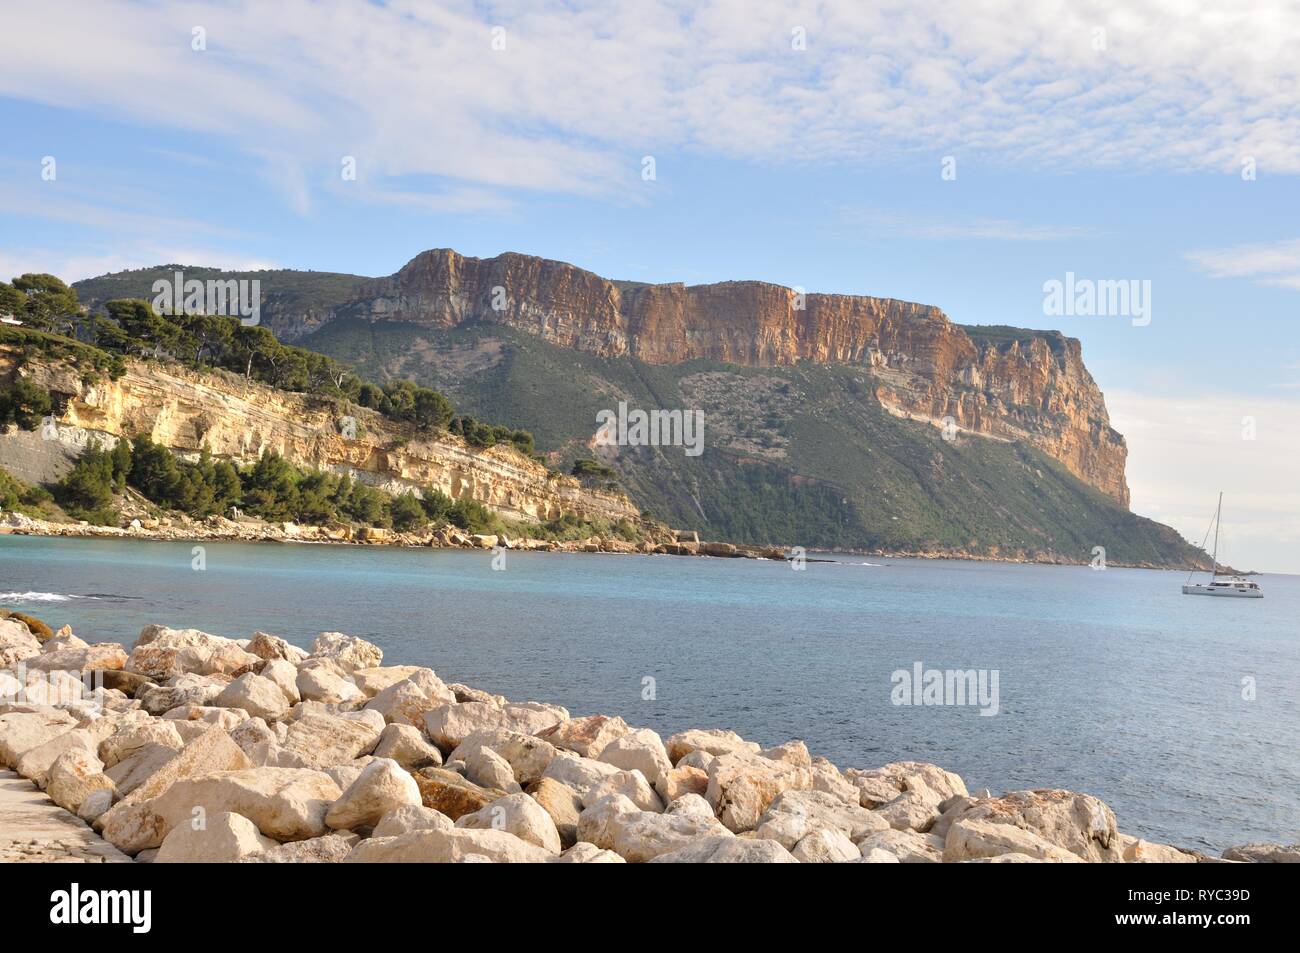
(1223, 592)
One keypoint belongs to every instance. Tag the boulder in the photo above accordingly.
(258, 696)
(449, 793)
(407, 746)
(449, 847)
(678, 781)
(131, 828)
(906, 847)
(73, 777)
(584, 853)
(794, 814)
(916, 809)
(162, 653)
(874, 855)
(223, 838)
(714, 741)
(104, 656)
(1075, 822)
(139, 766)
(411, 817)
(227, 718)
(520, 815)
(326, 849)
(742, 784)
(488, 769)
(95, 804)
(381, 787)
(728, 850)
(272, 647)
(1137, 851)
(792, 752)
(1264, 853)
(563, 805)
(641, 750)
(285, 676)
(324, 740)
(690, 804)
(285, 803)
(879, 786)
(133, 736)
(17, 644)
(586, 736)
(35, 763)
(187, 689)
(615, 823)
(825, 846)
(632, 785)
(974, 839)
(372, 681)
(347, 651)
(448, 725)
(407, 701)
(20, 731)
(464, 693)
(323, 684)
(580, 774)
(527, 755)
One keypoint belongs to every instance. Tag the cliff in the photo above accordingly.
(239, 420)
(1028, 386)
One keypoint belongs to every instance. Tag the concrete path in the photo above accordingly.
(33, 829)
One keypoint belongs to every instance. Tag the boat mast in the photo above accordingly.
(1218, 513)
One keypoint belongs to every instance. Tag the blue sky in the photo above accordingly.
(1104, 139)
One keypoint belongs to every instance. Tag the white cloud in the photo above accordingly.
(1275, 264)
(583, 89)
(1183, 452)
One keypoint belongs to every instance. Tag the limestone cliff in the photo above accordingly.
(239, 420)
(1030, 386)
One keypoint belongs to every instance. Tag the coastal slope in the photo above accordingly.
(830, 421)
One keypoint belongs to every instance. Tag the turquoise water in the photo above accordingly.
(1109, 682)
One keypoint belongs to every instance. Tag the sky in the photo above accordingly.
(963, 156)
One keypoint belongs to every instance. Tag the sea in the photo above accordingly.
(1182, 713)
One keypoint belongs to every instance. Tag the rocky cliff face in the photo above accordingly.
(239, 420)
(1029, 386)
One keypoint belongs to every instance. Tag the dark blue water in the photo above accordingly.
(1112, 682)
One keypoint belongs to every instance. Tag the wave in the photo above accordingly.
(36, 597)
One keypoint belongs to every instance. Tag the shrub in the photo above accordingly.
(87, 490)
(25, 404)
(407, 513)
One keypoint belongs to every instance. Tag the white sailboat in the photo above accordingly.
(1231, 586)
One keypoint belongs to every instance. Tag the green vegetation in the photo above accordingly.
(271, 489)
(118, 328)
(479, 434)
(86, 493)
(24, 404)
(17, 496)
(587, 467)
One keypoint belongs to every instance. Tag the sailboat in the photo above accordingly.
(1233, 586)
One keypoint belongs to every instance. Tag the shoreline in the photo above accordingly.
(332, 756)
(256, 531)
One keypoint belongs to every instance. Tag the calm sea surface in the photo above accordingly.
(1109, 682)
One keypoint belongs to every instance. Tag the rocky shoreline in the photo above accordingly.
(673, 543)
(192, 747)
